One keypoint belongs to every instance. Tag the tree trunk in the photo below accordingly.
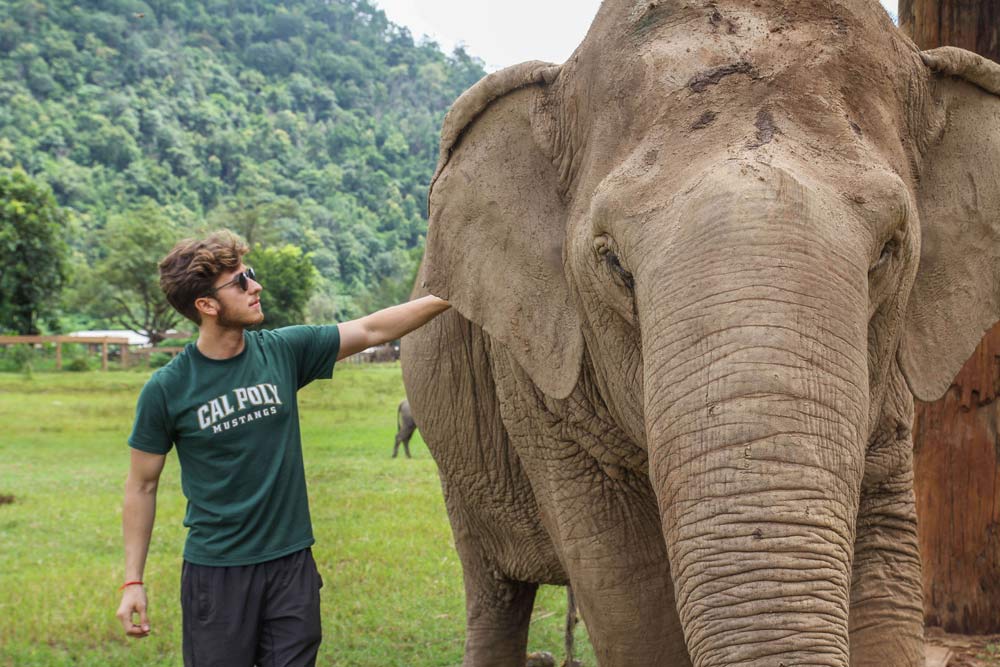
(956, 443)
(957, 467)
(969, 24)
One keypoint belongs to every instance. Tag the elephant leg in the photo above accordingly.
(406, 447)
(504, 550)
(498, 611)
(601, 510)
(627, 600)
(497, 634)
(886, 619)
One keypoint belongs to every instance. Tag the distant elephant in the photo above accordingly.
(698, 273)
(405, 426)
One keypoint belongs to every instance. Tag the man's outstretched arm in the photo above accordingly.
(388, 324)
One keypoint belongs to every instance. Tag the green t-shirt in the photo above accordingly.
(235, 423)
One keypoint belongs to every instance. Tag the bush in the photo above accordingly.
(7, 364)
(78, 365)
(158, 360)
(20, 357)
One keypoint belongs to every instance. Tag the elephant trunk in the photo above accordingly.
(756, 392)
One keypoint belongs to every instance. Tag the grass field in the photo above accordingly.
(393, 584)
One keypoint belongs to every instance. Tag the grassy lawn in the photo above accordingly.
(393, 584)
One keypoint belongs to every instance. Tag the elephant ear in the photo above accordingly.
(956, 294)
(497, 224)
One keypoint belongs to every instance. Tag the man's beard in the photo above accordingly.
(225, 321)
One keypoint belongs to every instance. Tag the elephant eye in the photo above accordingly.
(888, 251)
(604, 245)
(611, 259)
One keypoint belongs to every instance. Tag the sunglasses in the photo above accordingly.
(242, 279)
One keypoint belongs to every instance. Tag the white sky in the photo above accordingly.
(503, 32)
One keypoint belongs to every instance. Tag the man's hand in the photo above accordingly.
(134, 603)
(138, 513)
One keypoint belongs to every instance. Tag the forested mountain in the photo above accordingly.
(308, 122)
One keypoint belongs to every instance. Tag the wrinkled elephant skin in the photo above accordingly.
(699, 272)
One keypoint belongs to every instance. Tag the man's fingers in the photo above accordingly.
(127, 616)
(140, 629)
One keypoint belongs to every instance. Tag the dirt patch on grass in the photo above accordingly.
(6, 499)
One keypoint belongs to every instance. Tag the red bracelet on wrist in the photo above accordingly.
(129, 583)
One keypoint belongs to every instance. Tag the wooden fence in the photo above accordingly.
(384, 352)
(103, 341)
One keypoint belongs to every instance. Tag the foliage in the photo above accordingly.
(393, 590)
(32, 252)
(19, 358)
(124, 284)
(288, 277)
(309, 122)
(399, 272)
(159, 360)
(77, 365)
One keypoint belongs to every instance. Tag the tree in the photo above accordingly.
(955, 439)
(33, 253)
(258, 220)
(398, 273)
(969, 24)
(125, 284)
(288, 277)
(267, 118)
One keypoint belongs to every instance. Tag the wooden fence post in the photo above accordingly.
(957, 469)
(955, 439)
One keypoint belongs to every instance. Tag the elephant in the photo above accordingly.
(699, 273)
(405, 426)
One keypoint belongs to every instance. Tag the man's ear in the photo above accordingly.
(498, 223)
(956, 294)
(206, 305)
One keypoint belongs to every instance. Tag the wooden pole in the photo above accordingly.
(58, 355)
(970, 24)
(955, 440)
(957, 471)
(104, 355)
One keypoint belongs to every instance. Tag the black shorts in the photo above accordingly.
(265, 614)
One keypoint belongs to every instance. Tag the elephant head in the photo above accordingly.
(750, 222)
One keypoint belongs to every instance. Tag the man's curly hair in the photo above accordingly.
(192, 267)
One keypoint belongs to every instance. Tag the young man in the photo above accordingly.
(249, 585)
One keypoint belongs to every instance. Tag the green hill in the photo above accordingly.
(311, 122)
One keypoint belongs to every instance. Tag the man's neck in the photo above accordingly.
(219, 343)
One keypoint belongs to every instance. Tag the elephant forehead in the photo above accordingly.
(833, 79)
(630, 23)
(638, 58)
